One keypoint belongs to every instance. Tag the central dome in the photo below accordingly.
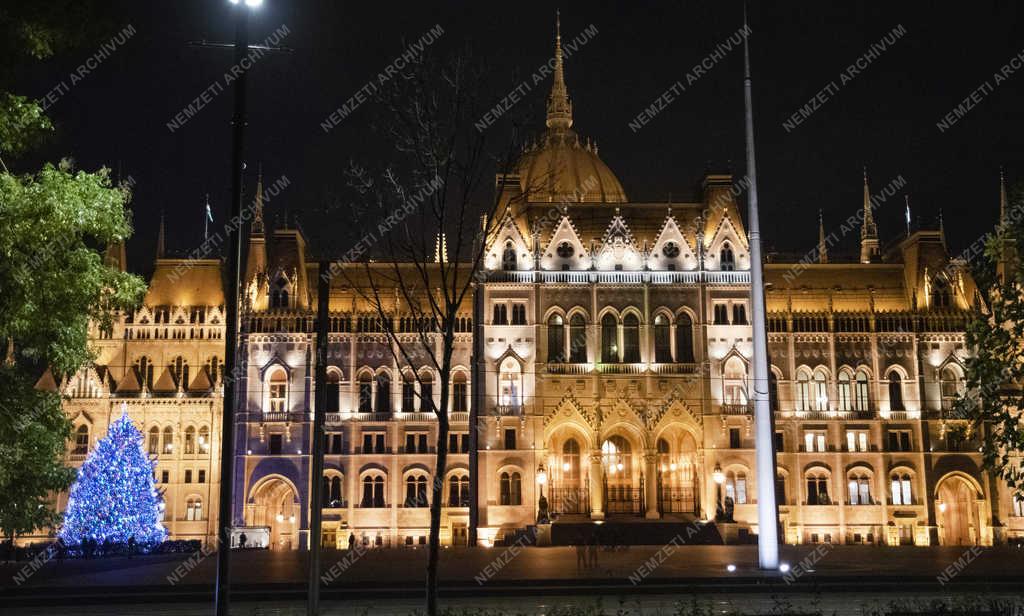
(559, 167)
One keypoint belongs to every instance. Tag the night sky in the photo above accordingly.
(885, 117)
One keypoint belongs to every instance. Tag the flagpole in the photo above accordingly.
(767, 512)
(206, 218)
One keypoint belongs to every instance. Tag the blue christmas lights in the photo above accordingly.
(114, 497)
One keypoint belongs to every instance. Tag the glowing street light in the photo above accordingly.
(719, 478)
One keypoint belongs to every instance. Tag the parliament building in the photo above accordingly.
(614, 367)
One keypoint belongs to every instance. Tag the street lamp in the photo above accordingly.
(222, 597)
(719, 478)
(542, 503)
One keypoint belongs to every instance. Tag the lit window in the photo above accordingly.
(278, 391)
(901, 490)
(860, 490)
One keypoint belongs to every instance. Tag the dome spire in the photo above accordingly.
(559, 107)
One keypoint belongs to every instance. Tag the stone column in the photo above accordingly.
(596, 486)
(651, 483)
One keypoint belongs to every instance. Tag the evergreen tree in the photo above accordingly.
(114, 497)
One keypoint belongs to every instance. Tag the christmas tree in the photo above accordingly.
(114, 497)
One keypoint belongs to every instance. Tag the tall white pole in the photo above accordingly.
(767, 512)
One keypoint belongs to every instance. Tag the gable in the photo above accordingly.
(565, 249)
(618, 248)
(670, 249)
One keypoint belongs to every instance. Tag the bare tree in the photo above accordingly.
(434, 207)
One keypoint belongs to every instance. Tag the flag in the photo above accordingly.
(208, 219)
(908, 213)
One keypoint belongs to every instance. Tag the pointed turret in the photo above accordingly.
(257, 216)
(822, 246)
(256, 261)
(160, 244)
(869, 245)
(1007, 263)
(559, 105)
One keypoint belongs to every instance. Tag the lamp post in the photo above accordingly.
(542, 503)
(225, 518)
(719, 478)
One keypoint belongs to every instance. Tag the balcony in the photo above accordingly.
(633, 368)
(505, 410)
(675, 368)
(832, 414)
(726, 277)
(737, 409)
(510, 276)
(370, 416)
(275, 417)
(577, 369)
(620, 277)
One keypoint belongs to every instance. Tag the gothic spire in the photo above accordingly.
(559, 106)
(1002, 197)
(869, 245)
(822, 246)
(257, 218)
(160, 244)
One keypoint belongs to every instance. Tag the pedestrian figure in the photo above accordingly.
(581, 554)
(352, 541)
(592, 550)
(242, 539)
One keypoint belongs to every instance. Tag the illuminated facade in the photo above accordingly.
(616, 346)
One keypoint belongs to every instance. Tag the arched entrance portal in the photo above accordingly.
(676, 472)
(622, 489)
(274, 503)
(957, 511)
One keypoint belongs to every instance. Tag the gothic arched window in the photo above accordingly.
(577, 339)
(895, 392)
(609, 339)
(684, 339)
(556, 339)
(631, 339)
(662, 340)
(727, 260)
(383, 393)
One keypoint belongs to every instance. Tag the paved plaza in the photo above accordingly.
(397, 574)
